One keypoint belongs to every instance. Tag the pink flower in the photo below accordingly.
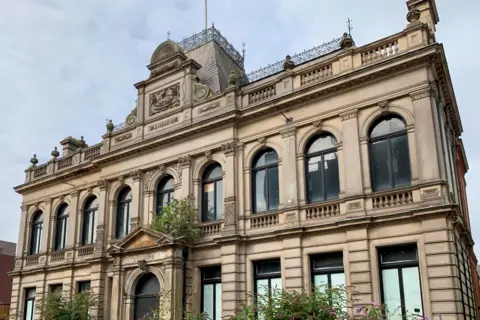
(332, 314)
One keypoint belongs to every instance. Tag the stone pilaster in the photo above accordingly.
(184, 167)
(358, 271)
(47, 223)
(351, 154)
(97, 287)
(289, 179)
(173, 270)
(22, 245)
(135, 217)
(115, 296)
(292, 262)
(73, 219)
(230, 205)
(427, 153)
(101, 219)
(232, 290)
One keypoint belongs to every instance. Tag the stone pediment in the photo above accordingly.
(142, 238)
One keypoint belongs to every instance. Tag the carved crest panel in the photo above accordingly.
(165, 99)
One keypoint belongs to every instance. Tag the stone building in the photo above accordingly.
(339, 165)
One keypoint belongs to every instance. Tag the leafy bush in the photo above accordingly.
(66, 306)
(177, 220)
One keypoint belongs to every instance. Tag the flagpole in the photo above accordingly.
(205, 14)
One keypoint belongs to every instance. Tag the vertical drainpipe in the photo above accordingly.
(184, 293)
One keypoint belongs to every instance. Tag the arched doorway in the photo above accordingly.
(146, 295)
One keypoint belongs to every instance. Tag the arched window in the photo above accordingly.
(146, 296)
(61, 227)
(212, 193)
(124, 206)
(321, 164)
(265, 181)
(89, 234)
(36, 235)
(389, 155)
(165, 193)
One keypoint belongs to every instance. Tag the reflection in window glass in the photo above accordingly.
(29, 304)
(391, 292)
(265, 181)
(411, 282)
(212, 292)
(212, 207)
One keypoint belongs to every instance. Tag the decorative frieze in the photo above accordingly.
(349, 115)
(431, 193)
(165, 99)
(124, 137)
(355, 205)
(288, 133)
(208, 107)
(163, 123)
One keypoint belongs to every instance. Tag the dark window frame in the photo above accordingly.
(215, 182)
(399, 266)
(121, 203)
(56, 286)
(61, 222)
(321, 154)
(255, 170)
(89, 214)
(80, 286)
(213, 281)
(387, 137)
(325, 271)
(26, 300)
(269, 276)
(161, 192)
(465, 278)
(36, 233)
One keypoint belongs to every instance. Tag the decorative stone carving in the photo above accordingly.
(165, 99)
(134, 222)
(429, 193)
(262, 141)
(354, 205)
(317, 125)
(121, 179)
(142, 265)
(165, 68)
(131, 118)
(100, 236)
(136, 175)
(146, 179)
(163, 123)
(165, 50)
(124, 137)
(347, 41)
(349, 115)
(208, 154)
(383, 104)
(185, 161)
(421, 94)
(232, 78)
(413, 15)
(288, 64)
(89, 190)
(200, 91)
(208, 108)
(229, 148)
(288, 133)
(229, 214)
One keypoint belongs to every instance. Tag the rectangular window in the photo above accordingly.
(212, 292)
(268, 277)
(83, 286)
(327, 270)
(400, 280)
(29, 309)
(464, 274)
(56, 288)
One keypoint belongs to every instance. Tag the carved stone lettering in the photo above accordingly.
(208, 107)
(124, 137)
(163, 123)
(165, 99)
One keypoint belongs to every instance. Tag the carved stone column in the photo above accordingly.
(135, 216)
(47, 222)
(22, 235)
(289, 181)
(112, 209)
(351, 154)
(101, 219)
(427, 155)
(115, 304)
(78, 231)
(229, 214)
(185, 171)
(72, 222)
(97, 287)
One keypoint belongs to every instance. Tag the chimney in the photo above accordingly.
(427, 11)
(70, 145)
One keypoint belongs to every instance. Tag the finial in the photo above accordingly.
(110, 125)
(413, 15)
(349, 26)
(232, 78)
(288, 64)
(347, 41)
(243, 50)
(34, 160)
(55, 153)
(168, 35)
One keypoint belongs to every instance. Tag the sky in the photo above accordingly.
(66, 66)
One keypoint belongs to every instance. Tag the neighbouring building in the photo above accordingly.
(7, 262)
(339, 165)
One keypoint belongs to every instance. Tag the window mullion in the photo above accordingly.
(267, 193)
(324, 179)
(402, 292)
(390, 162)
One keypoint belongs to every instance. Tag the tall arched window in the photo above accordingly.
(124, 206)
(265, 181)
(146, 296)
(212, 199)
(321, 164)
(89, 233)
(165, 193)
(389, 154)
(61, 227)
(36, 235)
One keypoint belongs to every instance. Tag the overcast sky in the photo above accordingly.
(66, 66)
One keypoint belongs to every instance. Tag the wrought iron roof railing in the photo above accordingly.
(119, 127)
(304, 56)
(211, 34)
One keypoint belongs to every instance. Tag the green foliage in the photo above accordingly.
(66, 306)
(177, 220)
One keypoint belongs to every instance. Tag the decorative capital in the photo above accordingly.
(74, 194)
(229, 148)
(288, 133)
(208, 154)
(317, 125)
(24, 207)
(185, 161)
(262, 141)
(383, 104)
(136, 175)
(102, 184)
(48, 201)
(349, 115)
(418, 95)
(111, 202)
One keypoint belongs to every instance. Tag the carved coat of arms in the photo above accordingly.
(165, 99)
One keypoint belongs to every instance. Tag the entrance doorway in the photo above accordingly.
(146, 296)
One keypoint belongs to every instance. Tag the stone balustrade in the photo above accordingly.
(322, 211)
(57, 256)
(85, 251)
(211, 228)
(264, 220)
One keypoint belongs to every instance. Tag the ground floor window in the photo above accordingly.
(212, 292)
(83, 286)
(147, 293)
(400, 281)
(327, 270)
(268, 277)
(56, 289)
(29, 304)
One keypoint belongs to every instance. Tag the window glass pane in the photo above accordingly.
(386, 126)
(391, 293)
(218, 301)
(338, 279)
(267, 267)
(315, 179)
(94, 226)
(208, 299)
(331, 175)
(59, 235)
(29, 310)
(398, 254)
(273, 198)
(401, 161)
(121, 216)
(276, 284)
(209, 201)
(267, 157)
(262, 287)
(260, 203)
(411, 289)
(84, 286)
(380, 165)
(219, 200)
(87, 228)
(166, 184)
(322, 143)
(332, 260)
(212, 273)
(320, 281)
(214, 171)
